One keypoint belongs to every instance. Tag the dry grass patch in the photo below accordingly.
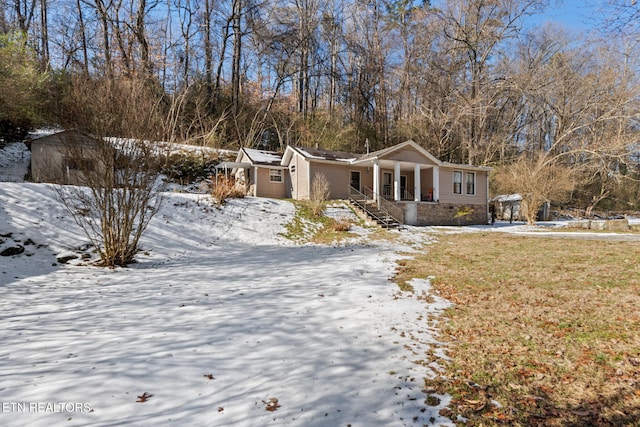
(223, 189)
(549, 329)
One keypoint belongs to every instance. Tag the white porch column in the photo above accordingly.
(396, 182)
(417, 193)
(255, 181)
(436, 183)
(376, 181)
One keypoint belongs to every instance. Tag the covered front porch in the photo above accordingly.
(402, 181)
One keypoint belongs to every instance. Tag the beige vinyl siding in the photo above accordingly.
(446, 187)
(266, 188)
(426, 181)
(339, 177)
(299, 184)
(409, 154)
(366, 177)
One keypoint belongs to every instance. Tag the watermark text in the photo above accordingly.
(41, 407)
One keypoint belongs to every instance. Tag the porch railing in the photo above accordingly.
(384, 211)
(387, 194)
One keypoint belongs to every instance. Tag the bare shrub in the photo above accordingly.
(227, 188)
(120, 191)
(342, 223)
(320, 192)
(118, 197)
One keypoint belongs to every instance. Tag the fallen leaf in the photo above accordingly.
(209, 376)
(144, 397)
(272, 404)
(220, 409)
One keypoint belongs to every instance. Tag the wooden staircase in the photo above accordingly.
(386, 214)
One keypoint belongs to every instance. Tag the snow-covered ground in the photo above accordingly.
(14, 162)
(222, 322)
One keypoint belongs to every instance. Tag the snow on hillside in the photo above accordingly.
(222, 322)
(14, 162)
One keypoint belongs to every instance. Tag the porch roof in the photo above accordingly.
(233, 165)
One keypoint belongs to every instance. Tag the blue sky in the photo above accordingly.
(574, 14)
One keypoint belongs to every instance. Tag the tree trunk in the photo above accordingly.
(141, 37)
(44, 35)
(237, 55)
(83, 40)
(104, 20)
(208, 50)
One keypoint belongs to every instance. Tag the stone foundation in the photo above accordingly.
(424, 213)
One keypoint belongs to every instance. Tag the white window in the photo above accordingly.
(275, 175)
(471, 183)
(457, 182)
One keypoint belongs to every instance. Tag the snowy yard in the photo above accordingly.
(220, 317)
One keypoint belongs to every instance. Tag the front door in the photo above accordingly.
(355, 180)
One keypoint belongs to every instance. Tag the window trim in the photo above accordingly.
(459, 173)
(278, 174)
(473, 183)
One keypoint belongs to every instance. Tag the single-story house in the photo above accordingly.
(404, 181)
(261, 171)
(64, 157)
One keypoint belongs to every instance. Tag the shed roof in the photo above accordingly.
(69, 136)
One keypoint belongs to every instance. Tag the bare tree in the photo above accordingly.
(577, 112)
(537, 179)
(476, 30)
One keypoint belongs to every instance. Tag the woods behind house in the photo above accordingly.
(476, 82)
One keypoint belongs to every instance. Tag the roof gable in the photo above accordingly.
(406, 151)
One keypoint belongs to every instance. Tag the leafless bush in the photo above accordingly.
(226, 188)
(342, 223)
(119, 189)
(118, 197)
(320, 192)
